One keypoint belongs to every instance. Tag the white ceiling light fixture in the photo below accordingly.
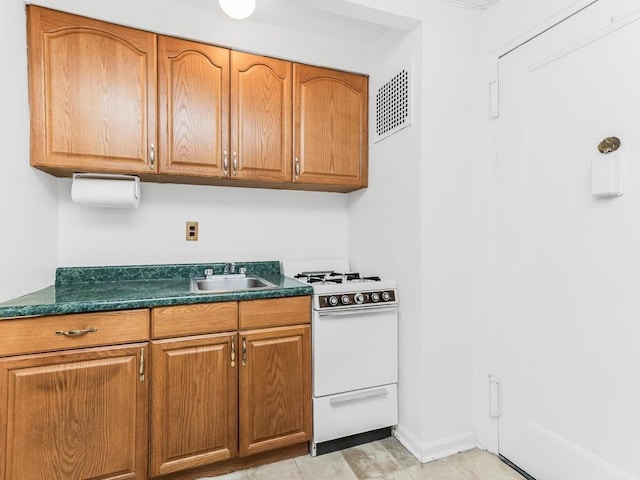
(238, 9)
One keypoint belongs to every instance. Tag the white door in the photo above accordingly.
(568, 263)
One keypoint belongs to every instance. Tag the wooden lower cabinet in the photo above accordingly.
(74, 415)
(275, 388)
(226, 400)
(194, 413)
(201, 399)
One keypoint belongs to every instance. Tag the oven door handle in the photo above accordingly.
(356, 311)
(352, 397)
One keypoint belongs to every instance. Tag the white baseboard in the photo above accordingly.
(427, 452)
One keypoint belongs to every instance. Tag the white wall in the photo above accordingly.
(235, 224)
(414, 221)
(451, 143)
(385, 219)
(28, 201)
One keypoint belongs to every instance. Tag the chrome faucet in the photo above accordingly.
(208, 272)
(229, 268)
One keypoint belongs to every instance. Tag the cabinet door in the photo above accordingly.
(92, 94)
(275, 388)
(330, 128)
(193, 85)
(74, 415)
(260, 118)
(194, 402)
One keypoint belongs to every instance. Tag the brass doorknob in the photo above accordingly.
(609, 144)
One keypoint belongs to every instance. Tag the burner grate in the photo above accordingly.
(332, 277)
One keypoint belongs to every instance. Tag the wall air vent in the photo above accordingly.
(393, 106)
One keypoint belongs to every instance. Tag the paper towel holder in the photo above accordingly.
(133, 180)
(107, 176)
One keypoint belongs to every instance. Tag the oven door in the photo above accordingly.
(354, 349)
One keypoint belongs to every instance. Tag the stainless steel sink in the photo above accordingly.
(228, 283)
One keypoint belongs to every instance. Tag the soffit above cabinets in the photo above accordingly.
(348, 20)
(299, 15)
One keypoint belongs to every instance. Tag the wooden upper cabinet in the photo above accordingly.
(330, 128)
(193, 86)
(260, 118)
(92, 94)
(111, 99)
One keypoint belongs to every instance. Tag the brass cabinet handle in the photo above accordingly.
(297, 168)
(152, 156)
(233, 352)
(142, 364)
(225, 162)
(244, 351)
(235, 164)
(76, 333)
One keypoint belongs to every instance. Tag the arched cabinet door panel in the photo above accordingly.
(261, 118)
(330, 127)
(92, 94)
(193, 85)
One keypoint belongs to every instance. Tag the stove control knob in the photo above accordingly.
(358, 298)
(386, 296)
(375, 296)
(345, 300)
(333, 300)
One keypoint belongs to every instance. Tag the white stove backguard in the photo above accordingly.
(292, 267)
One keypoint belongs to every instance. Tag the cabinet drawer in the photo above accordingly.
(41, 334)
(200, 319)
(345, 414)
(274, 312)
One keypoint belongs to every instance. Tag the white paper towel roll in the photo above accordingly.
(102, 190)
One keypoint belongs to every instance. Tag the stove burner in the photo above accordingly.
(334, 277)
(356, 277)
(319, 279)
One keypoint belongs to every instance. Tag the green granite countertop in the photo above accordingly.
(96, 289)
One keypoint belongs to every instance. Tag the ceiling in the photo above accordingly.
(475, 4)
(359, 24)
(347, 20)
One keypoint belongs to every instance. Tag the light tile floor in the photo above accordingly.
(382, 460)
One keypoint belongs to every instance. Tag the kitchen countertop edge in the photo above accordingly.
(152, 294)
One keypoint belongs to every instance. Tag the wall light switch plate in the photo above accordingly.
(192, 232)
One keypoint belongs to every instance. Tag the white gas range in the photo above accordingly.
(354, 333)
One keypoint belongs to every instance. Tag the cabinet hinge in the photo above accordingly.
(494, 99)
(142, 364)
(495, 396)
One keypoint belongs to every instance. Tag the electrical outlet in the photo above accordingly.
(192, 231)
